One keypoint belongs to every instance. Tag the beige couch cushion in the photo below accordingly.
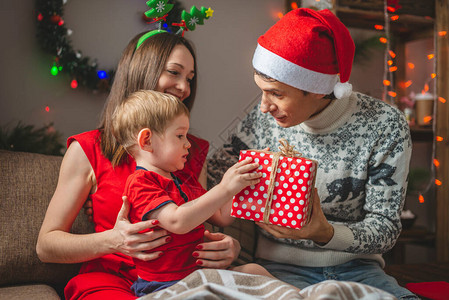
(35, 292)
(27, 183)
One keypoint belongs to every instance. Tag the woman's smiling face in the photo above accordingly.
(178, 72)
(289, 106)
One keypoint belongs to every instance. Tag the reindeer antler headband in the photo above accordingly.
(159, 10)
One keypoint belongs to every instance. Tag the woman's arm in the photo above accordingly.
(55, 242)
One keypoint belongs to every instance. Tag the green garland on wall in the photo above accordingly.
(54, 38)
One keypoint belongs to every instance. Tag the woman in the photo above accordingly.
(163, 62)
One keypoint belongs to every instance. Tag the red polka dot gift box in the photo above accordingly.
(283, 195)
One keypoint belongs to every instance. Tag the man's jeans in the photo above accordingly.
(363, 271)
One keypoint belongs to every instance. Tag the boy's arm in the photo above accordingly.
(184, 218)
(222, 217)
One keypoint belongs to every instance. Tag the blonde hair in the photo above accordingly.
(143, 109)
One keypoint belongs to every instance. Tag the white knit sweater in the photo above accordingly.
(363, 150)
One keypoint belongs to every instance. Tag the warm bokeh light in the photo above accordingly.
(391, 9)
(394, 18)
(383, 40)
(378, 27)
(439, 138)
(436, 162)
(392, 69)
(433, 75)
(430, 56)
(294, 5)
(392, 94)
(426, 88)
(442, 33)
(386, 82)
(411, 65)
(389, 62)
(405, 84)
(392, 54)
(427, 119)
(438, 182)
(280, 15)
(441, 99)
(47, 108)
(421, 198)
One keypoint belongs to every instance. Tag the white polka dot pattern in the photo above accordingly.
(290, 200)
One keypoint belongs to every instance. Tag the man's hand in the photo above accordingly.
(318, 229)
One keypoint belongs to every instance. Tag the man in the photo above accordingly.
(362, 145)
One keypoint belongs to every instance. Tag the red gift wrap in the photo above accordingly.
(283, 195)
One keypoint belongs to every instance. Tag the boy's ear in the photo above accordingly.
(144, 139)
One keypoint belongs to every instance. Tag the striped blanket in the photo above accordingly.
(214, 284)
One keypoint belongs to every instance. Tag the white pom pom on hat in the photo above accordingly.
(342, 90)
(309, 50)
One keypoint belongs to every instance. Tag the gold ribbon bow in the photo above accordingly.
(286, 150)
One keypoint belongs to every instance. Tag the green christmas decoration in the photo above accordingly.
(159, 8)
(26, 138)
(54, 38)
(196, 16)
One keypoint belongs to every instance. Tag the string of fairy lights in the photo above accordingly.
(389, 94)
(391, 8)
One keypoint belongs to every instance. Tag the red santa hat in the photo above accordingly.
(309, 50)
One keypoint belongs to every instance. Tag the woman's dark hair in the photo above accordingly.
(140, 69)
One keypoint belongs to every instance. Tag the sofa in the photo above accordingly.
(27, 183)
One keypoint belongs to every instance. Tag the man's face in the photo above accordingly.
(289, 106)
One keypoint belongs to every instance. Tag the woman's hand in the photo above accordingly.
(88, 210)
(129, 241)
(318, 229)
(219, 252)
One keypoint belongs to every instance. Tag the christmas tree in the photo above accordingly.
(159, 8)
(196, 16)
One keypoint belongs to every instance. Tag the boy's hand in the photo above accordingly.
(240, 176)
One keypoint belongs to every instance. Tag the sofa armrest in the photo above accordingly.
(27, 183)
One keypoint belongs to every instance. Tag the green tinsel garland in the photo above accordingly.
(52, 36)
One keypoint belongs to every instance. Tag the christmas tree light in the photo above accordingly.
(54, 70)
(102, 74)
